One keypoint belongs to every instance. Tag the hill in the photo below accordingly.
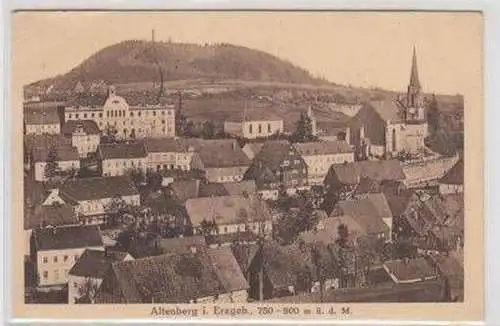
(136, 61)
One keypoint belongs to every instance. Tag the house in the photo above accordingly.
(277, 271)
(390, 126)
(427, 291)
(86, 275)
(46, 216)
(120, 158)
(222, 161)
(169, 154)
(251, 149)
(66, 158)
(407, 270)
(182, 244)
(344, 179)
(254, 124)
(209, 276)
(372, 213)
(278, 165)
(90, 197)
(452, 272)
(319, 156)
(84, 134)
(57, 249)
(326, 231)
(240, 188)
(453, 181)
(128, 121)
(182, 190)
(39, 121)
(234, 215)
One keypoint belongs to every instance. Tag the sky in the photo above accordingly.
(367, 49)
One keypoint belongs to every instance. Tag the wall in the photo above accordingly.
(268, 128)
(409, 137)
(96, 206)
(445, 189)
(57, 271)
(430, 170)
(85, 144)
(74, 282)
(233, 128)
(318, 165)
(52, 129)
(117, 167)
(229, 174)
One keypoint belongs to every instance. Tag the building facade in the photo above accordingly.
(251, 129)
(123, 120)
(120, 159)
(65, 157)
(39, 121)
(84, 134)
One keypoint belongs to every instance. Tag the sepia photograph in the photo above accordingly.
(230, 163)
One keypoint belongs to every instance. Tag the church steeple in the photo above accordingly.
(413, 96)
(414, 80)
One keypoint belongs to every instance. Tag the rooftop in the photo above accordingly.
(410, 270)
(68, 237)
(323, 148)
(63, 153)
(53, 215)
(455, 176)
(241, 188)
(95, 263)
(41, 116)
(351, 173)
(122, 150)
(89, 127)
(98, 188)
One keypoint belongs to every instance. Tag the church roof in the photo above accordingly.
(414, 80)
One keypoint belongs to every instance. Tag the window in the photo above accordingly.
(55, 259)
(154, 113)
(260, 129)
(269, 127)
(100, 115)
(70, 115)
(76, 115)
(163, 122)
(250, 128)
(162, 112)
(138, 114)
(75, 285)
(45, 275)
(66, 272)
(65, 258)
(93, 115)
(56, 274)
(107, 114)
(169, 112)
(45, 260)
(131, 114)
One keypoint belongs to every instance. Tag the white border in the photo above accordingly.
(491, 10)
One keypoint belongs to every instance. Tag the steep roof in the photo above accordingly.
(45, 141)
(34, 192)
(54, 215)
(410, 270)
(64, 153)
(41, 116)
(351, 173)
(388, 110)
(165, 145)
(122, 150)
(244, 255)
(414, 80)
(226, 209)
(98, 188)
(68, 237)
(326, 231)
(95, 263)
(368, 212)
(252, 149)
(455, 176)
(178, 278)
(87, 100)
(221, 155)
(271, 154)
(88, 126)
(323, 148)
(185, 189)
(227, 269)
(241, 188)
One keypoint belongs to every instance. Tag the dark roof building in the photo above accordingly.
(41, 116)
(122, 151)
(410, 270)
(68, 237)
(88, 127)
(183, 190)
(323, 148)
(62, 153)
(182, 245)
(53, 215)
(352, 173)
(455, 176)
(95, 263)
(241, 188)
(98, 188)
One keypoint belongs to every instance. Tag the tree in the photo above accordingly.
(433, 114)
(343, 250)
(88, 289)
(316, 259)
(109, 134)
(208, 227)
(208, 130)
(51, 164)
(137, 176)
(303, 130)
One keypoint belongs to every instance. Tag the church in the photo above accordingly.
(382, 129)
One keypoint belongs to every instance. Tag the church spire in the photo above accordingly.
(414, 80)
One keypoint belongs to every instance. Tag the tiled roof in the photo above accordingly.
(227, 269)
(44, 141)
(88, 126)
(165, 145)
(182, 245)
(87, 100)
(323, 148)
(172, 278)
(98, 188)
(222, 155)
(244, 254)
(34, 192)
(388, 110)
(226, 209)
(63, 154)
(241, 188)
(68, 237)
(240, 237)
(122, 150)
(43, 116)
(95, 263)
(185, 189)
(252, 149)
(368, 212)
(455, 175)
(272, 152)
(410, 270)
(448, 266)
(351, 173)
(54, 215)
(428, 291)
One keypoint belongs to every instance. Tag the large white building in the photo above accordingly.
(84, 134)
(58, 249)
(114, 114)
(119, 159)
(65, 157)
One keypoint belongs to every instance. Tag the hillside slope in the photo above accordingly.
(135, 61)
